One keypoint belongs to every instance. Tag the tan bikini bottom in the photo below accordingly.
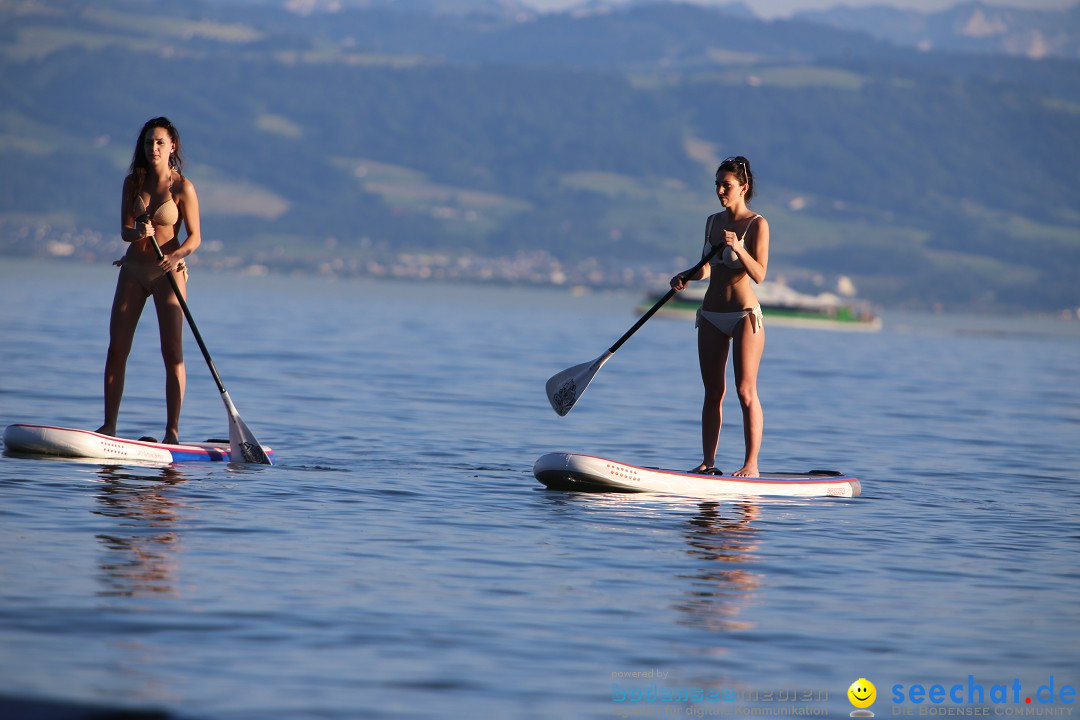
(146, 274)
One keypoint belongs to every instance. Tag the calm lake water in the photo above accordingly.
(400, 560)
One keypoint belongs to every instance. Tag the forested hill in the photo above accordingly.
(342, 139)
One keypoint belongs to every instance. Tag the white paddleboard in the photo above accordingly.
(73, 443)
(569, 471)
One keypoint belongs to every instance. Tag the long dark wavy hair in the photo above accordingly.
(737, 166)
(139, 163)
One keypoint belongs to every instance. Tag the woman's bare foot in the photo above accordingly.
(106, 430)
(747, 470)
(171, 439)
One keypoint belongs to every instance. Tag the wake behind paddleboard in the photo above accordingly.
(73, 443)
(569, 471)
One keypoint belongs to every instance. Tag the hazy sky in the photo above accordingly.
(784, 8)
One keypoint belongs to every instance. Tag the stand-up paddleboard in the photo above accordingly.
(72, 443)
(569, 471)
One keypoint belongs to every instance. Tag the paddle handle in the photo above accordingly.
(187, 314)
(660, 303)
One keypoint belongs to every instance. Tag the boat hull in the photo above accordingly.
(586, 473)
(782, 306)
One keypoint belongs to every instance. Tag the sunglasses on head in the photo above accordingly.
(746, 173)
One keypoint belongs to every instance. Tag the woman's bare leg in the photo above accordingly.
(171, 329)
(713, 348)
(128, 303)
(749, 346)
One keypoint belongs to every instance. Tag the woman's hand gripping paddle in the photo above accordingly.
(565, 388)
(243, 447)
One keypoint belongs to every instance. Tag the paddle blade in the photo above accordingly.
(564, 389)
(243, 447)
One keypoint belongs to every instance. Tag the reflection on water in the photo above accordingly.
(403, 561)
(140, 557)
(724, 538)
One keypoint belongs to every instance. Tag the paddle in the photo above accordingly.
(242, 442)
(564, 389)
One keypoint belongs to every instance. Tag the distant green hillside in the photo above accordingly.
(363, 134)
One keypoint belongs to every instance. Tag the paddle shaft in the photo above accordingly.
(660, 303)
(190, 319)
(243, 445)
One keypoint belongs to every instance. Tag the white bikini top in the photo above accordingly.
(727, 257)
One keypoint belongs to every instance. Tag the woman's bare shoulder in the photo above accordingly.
(183, 186)
(717, 217)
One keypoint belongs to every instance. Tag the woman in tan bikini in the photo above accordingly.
(156, 200)
(731, 312)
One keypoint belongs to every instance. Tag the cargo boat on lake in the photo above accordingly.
(782, 306)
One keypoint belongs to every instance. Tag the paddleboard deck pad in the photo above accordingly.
(72, 443)
(585, 473)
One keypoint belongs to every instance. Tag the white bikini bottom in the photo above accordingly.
(726, 322)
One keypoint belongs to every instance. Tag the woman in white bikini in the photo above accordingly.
(731, 312)
(155, 202)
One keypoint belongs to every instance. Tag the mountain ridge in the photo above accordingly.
(344, 139)
(974, 27)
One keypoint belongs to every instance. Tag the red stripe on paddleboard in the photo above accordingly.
(189, 449)
(832, 480)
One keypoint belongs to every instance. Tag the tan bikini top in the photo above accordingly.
(166, 214)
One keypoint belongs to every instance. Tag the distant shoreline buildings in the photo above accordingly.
(535, 268)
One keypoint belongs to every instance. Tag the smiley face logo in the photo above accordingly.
(862, 693)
